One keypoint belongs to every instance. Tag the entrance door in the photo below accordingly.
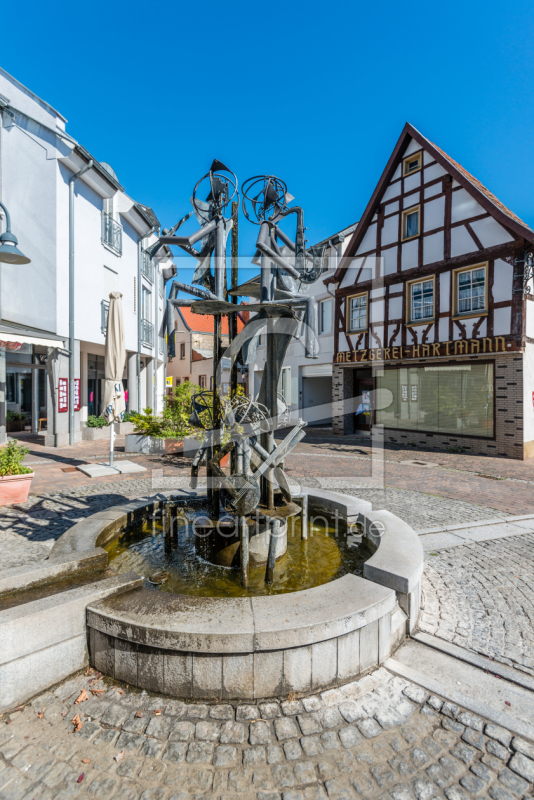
(364, 388)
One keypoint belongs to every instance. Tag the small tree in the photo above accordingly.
(11, 458)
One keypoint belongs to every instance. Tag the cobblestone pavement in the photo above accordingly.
(378, 737)
(481, 596)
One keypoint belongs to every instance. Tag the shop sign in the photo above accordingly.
(62, 395)
(168, 381)
(460, 347)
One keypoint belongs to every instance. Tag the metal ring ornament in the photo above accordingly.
(234, 183)
(280, 188)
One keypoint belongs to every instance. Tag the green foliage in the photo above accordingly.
(96, 422)
(129, 416)
(11, 458)
(15, 416)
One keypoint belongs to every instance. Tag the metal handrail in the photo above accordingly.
(111, 233)
(104, 309)
(147, 333)
(147, 267)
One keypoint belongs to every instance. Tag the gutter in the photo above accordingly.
(72, 180)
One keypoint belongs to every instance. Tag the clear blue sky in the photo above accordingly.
(316, 93)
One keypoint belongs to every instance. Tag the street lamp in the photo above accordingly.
(9, 252)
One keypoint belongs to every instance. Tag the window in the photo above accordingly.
(451, 399)
(146, 304)
(182, 350)
(284, 385)
(325, 316)
(412, 164)
(202, 381)
(470, 293)
(111, 234)
(410, 223)
(357, 313)
(420, 300)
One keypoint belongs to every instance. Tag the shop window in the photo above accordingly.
(420, 300)
(357, 313)
(410, 223)
(412, 163)
(325, 316)
(470, 291)
(455, 400)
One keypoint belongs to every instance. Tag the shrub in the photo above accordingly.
(15, 416)
(96, 422)
(11, 458)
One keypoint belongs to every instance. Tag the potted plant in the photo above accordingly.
(15, 421)
(97, 427)
(15, 479)
(165, 433)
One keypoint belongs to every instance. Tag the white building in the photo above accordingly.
(306, 383)
(111, 232)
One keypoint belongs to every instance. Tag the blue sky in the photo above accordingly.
(316, 93)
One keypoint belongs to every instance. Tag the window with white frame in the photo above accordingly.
(358, 313)
(325, 316)
(146, 304)
(202, 381)
(421, 300)
(284, 386)
(471, 290)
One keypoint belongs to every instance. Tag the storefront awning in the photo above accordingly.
(13, 337)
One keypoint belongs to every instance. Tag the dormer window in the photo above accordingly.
(410, 223)
(412, 164)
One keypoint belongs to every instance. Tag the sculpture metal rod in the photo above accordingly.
(271, 558)
(264, 246)
(243, 536)
(205, 230)
(304, 518)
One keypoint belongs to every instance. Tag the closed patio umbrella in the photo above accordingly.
(114, 404)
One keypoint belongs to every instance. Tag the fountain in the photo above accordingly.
(250, 587)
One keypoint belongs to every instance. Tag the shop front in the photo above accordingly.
(468, 401)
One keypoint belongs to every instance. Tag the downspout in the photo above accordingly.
(139, 311)
(72, 179)
(156, 340)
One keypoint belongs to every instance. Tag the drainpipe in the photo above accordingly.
(156, 339)
(72, 179)
(139, 311)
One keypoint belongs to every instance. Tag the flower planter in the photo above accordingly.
(150, 445)
(15, 488)
(15, 425)
(94, 434)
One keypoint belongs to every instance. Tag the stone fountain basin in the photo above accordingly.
(250, 648)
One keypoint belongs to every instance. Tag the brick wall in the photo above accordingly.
(509, 398)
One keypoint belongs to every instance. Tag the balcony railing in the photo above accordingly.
(147, 267)
(111, 233)
(104, 309)
(147, 333)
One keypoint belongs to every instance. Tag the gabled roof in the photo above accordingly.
(473, 186)
(203, 323)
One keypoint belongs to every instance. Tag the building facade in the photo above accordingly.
(103, 236)
(434, 322)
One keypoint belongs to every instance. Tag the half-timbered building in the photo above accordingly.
(434, 323)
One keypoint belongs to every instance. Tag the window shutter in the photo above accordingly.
(110, 282)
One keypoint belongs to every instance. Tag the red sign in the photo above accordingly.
(63, 395)
(77, 400)
(533, 398)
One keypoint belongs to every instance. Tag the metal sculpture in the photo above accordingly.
(256, 481)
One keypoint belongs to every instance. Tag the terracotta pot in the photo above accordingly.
(15, 488)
